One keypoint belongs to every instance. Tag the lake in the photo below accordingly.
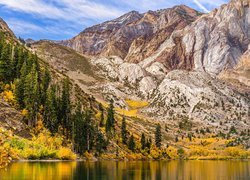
(151, 170)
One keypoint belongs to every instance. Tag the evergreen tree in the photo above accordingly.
(51, 110)
(22, 58)
(78, 119)
(131, 143)
(102, 115)
(158, 136)
(45, 84)
(143, 141)
(110, 123)
(20, 86)
(89, 130)
(149, 143)
(100, 142)
(65, 107)
(31, 95)
(124, 131)
(5, 64)
(14, 63)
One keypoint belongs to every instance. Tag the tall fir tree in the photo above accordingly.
(78, 130)
(65, 107)
(102, 115)
(131, 143)
(5, 64)
(14, 62)
(110, 123)
(124, 131)
(149, 143)
(31, 95)
(101, 143)
(51, 110)
(20, 86)
(158, 136)
(143, 141)
(45, 84)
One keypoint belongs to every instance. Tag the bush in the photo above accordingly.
(181, 153)
(17, 143)
(65, 154)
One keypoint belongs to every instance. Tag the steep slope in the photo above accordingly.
(115, 37)
(5, 28)
(213, 43)
(178, 38)
(240, 75)
(11, 119)
(175, 67)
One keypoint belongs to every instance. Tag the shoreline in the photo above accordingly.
(125, 160)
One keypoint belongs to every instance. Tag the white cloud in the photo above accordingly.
(70, 10)
(198, 3)
(145, 5)
(213, 3)
(67, 17)
(25, 28)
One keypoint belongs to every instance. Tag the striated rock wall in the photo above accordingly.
(129, 35)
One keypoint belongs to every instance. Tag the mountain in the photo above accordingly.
(177, 67)
(5, 28)
(117, 36)
(212, 43)
(186, 65)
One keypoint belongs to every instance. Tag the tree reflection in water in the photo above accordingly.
(138, 170)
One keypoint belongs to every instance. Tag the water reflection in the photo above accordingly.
(176, 170)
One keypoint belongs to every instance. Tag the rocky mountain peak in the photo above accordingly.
(5, 28)
(116, 36)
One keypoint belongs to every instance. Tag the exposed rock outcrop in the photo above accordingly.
(213, 43)
(128, 35)
(5, 28)
(11, 119)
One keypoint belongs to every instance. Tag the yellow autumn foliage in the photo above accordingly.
(128, 113)
(9, 97)
(172, 152)
(136, 104)
(24, 112)
(65, 154)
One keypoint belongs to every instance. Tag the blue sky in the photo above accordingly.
(63, 19)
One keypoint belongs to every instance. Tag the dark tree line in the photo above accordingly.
(35, 92)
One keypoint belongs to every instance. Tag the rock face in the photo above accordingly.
(177, 60)
(128, 35)
(179, 38)
(240, 75)
(11, 119)
(5, 28)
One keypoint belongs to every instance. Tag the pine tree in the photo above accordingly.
(143, 141)
(22, 58)
(20, 86)
(14, 62)
(149, 143)
(31, 95)
(65, 107)
(5, 64)
(100, 142)
(78, 119)
(131, 143)
(110, 123)
(45, 84)
(51, 110)
(158, 136)
(102, 115)
(124, 131)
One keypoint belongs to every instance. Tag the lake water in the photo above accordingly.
(151, 170)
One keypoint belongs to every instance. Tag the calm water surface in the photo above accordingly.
(176, 170)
